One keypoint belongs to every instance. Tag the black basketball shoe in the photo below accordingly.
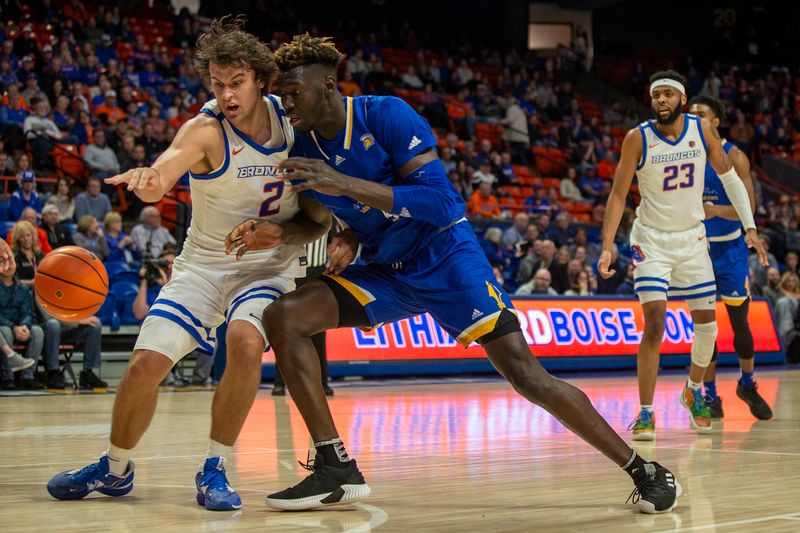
(656, 489)
(715, 407)
(750, 396)
(327, 485)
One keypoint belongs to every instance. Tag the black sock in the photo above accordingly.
(634, 466)
(333, 452)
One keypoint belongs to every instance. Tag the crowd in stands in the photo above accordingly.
(89, 91)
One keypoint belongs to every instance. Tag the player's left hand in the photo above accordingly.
(6, 257)
(711, 210)
(342, 251)
(752, 240)
(305, 174)
(253, 234)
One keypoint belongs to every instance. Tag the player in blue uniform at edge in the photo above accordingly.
(372, 161)
(729, 256)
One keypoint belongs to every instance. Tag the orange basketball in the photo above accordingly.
(71, 283)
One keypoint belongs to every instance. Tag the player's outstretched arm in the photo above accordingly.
(629, 158)
(742, 165)
(188, 151)
(309, 224)
(734, 187)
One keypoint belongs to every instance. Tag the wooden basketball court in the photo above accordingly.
(440, 455)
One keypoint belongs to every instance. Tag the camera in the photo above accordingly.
(151, 269)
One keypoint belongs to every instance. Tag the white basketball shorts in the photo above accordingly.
(198, 298)
(673, 263)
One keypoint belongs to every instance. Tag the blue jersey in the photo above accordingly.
(381, 134)
(715, 193)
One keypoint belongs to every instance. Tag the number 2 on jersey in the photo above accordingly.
(275, 191)
(673, 172)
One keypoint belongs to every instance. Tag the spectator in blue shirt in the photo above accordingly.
(105, 50)
(26, 196)
(591, 186)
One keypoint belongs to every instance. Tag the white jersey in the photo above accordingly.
(246, 185)
(671, 177)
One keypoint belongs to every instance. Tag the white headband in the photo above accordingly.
(666, 81)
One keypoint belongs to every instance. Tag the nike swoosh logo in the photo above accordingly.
(236, 152)
(651, 146)
(701, 238)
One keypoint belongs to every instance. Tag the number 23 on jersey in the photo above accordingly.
(678, 177)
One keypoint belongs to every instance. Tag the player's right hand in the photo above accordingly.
(342, 251)
(138, 179)
(604, 263)
(253, 234)
(752, 240)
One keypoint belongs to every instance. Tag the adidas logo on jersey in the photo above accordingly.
(404, 212)
(476, 314)
(339, 160)
(414, 142)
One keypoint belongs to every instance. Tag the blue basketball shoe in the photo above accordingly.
(77, 484)
(213, 490)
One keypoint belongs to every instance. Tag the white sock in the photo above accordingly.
(117, 459)
(692, 385)
(647, 408)
(216, 449)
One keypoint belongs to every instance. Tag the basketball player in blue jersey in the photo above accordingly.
(372, 161)
(232, 150)
(668, 239)
(729, 257)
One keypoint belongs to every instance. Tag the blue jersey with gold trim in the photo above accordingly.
(715, 193)
(381, 134)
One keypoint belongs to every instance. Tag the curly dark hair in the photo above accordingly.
(307, 50)
(716, 106)
(227, 44)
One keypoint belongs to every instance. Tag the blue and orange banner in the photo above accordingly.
(557, 327)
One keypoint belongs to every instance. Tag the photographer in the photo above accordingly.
(153, 275)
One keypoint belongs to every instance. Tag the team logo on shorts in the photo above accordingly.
(367, 140)
(637, 254)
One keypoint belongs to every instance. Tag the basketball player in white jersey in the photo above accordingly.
(668, 241)
(232, 150)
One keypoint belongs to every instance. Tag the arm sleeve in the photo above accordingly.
(737, 193)
(429, 196)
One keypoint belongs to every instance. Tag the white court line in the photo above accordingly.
(718, 450)
(792, 516)
(187, 487)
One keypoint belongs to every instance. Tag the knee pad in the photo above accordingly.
(705, 337)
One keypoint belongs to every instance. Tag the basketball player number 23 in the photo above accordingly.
(274, 191)
(674, 172)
